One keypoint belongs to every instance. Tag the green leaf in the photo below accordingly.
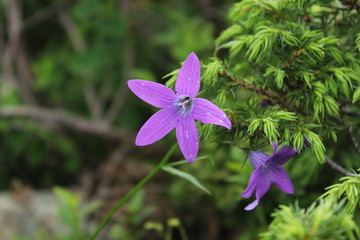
(69, 209)
(254, 125)
(336, 54)
(212, 70)
(311, 125)
(157, 226)
(333, 136)
(186, 176)
(317, 146)
(90, 207)
(344, 79)
(173, 76)
(236, 48)
(262, 44)
(319, 107)
(221, 98)
(289, 38)
(331, 85)
(319, 89)
(356, 95)
(348, 189)
(270, 129)
(357, 41)
(66, 197)
(287, 136)
(298, 140)
(330, 40)
(283, 115)
(228, 33)
(308, 78)
(315, 50)
(181, 162)
(324, 219)
(331, 106)
(278, 74)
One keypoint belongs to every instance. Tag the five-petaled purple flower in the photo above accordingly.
(179, 109)
(267, 171)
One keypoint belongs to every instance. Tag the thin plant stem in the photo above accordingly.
(183, 233)
(131, 193)
(337, 167)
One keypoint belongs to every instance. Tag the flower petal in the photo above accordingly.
(188, 81)
(252, 205)
(278, 176)
(255, 176)
(260, 183)
(153, 93)
(258, 159)
(188, 138)
(283, 155)
(263, 184)
(158, 125)
(275, 146)
(207, 112)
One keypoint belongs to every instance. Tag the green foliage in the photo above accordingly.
(347, 191)
(166, 230)
(128, 226)
(72, 215)
(186, 176)
(173, 76)
(283, 71)
(356, 95)
(358, 42)
(270, 123)
(228, 33)
(331, 217)
(277, 73)
(321, 221)
(185, 34)
(290, 54)
(212, 71)
(316, 145)
(30, 147)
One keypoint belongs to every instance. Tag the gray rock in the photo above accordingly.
(26, 214)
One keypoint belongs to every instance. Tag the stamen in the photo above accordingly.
(184, 104)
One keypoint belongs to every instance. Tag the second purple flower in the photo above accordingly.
(268, 170)
(179, 110)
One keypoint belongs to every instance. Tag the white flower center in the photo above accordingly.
(184, 105)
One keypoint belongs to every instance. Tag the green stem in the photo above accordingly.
(132, 192)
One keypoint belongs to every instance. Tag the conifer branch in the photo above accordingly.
(353, 139)
(293, 56)
(337, 167)
(351, 134)
(254, 88)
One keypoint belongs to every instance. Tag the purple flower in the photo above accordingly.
(179, 110)
(266, 102)
(267, 171)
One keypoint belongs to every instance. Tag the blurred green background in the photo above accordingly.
(68, 119)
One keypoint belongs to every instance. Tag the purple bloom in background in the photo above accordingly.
(179, 110)
(266, 102)
(267, 171)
